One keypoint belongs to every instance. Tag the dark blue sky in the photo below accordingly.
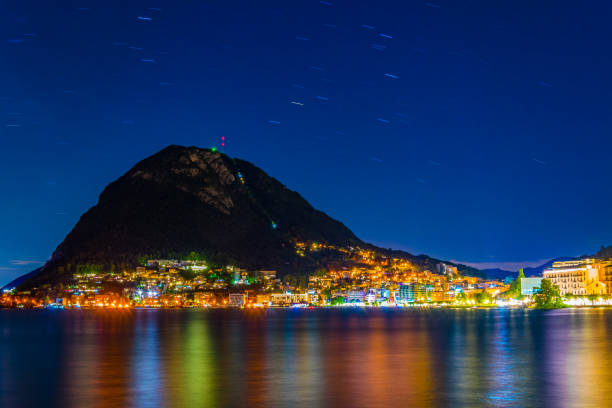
(468, 130)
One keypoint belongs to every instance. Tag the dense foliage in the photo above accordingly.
(549, 296)
(515, 286)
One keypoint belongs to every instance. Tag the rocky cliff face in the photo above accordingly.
(187, 199)
(202, 173)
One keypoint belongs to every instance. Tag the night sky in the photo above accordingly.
(467, 130)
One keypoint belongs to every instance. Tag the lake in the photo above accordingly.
(306, 358)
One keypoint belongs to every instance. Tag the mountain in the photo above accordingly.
(188, 200)
(497, 274)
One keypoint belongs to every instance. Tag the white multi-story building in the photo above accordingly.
(578, 277)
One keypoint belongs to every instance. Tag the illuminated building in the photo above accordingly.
(203, 298)
(444, 269)
(263, 299)
(236, 299)
(268, 275)
(579, 277)
(240, 276)
(605, 275)
(355, 295)
(286, 299)
(415, 292)
(530, 286)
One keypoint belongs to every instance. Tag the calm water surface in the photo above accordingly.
(309, 358)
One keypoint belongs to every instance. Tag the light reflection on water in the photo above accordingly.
(310, 358)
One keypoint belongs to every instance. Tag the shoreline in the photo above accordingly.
(203, 308)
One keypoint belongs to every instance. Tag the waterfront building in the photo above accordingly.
(236, 299)
(287, 299)
(438, 296)
(394, 294)
(415, 292)
(355, 295)
(442, 295)
(377, 295)
(263, 299)
(203, 298)
(605, 274)
(385, 294)
(530, 286)
(577, 277)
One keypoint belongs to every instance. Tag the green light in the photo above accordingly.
(213, 149)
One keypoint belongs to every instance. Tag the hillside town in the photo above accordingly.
(373, 280)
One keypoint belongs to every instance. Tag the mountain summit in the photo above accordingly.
(186, 200)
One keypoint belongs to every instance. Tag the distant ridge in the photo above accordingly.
(501, 274)
(21, 279)
(497, 273)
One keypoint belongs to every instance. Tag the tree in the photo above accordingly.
(338, 301)
(327, 293)
(193, 256)
(549, 296)
(482, 297)
(187, 274)
(515, 287)
(321, 272)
